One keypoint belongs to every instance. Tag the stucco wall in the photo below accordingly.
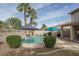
(75, 18)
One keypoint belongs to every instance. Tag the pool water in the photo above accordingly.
(33, 40)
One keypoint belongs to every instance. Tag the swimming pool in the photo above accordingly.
(33, 42)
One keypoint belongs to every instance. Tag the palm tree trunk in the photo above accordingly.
(31, 21)
(25, 19)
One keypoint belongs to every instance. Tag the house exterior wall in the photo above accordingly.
(75, 18)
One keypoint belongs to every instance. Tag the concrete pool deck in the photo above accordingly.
(5, 50)
(67, 44)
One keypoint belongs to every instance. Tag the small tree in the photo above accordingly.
(44, 27)
(5, 25)
(14, 22)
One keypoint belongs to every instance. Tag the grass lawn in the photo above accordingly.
(65, 53)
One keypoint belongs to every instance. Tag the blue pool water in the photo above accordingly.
(33, 39)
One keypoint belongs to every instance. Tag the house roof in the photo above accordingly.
(64, 24)
(72, 12)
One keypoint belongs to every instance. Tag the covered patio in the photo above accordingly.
(71, 28)
(69, 31)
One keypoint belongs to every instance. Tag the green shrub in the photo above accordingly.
(49, 41)
(14, 41)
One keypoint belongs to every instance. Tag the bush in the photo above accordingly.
(49, 41)
(14, 41)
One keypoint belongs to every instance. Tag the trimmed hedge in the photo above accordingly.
(49, 41)
(14, 41)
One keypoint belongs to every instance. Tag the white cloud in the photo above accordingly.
(61, 23)
(52, 14)
(38, 6)
(8, 11)
(56, 13)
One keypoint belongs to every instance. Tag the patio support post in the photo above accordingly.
(72, 33)
(61, 31)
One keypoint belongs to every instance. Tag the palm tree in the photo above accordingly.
(24, 7)
(33, 16)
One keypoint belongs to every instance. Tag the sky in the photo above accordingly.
(50, 14)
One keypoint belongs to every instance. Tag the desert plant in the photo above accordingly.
(14, 41)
